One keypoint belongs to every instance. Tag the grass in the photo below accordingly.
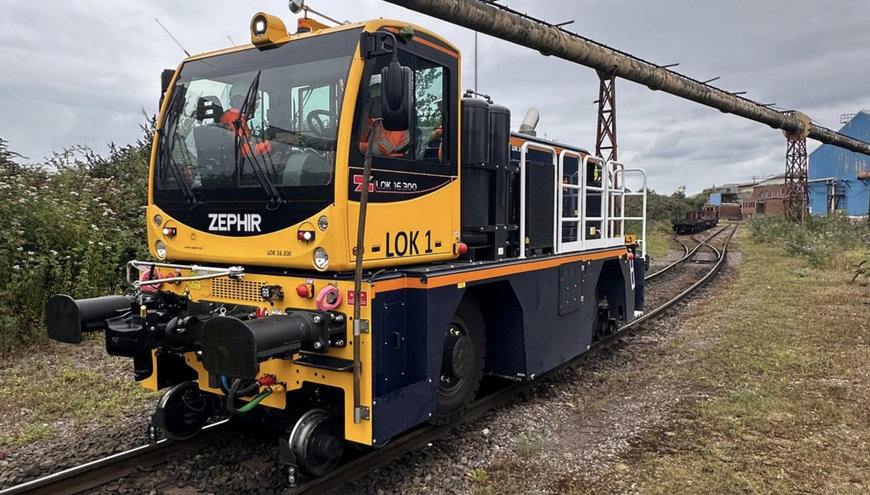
(774, 380)
(51, 388)
(779, 396)
(659, 238)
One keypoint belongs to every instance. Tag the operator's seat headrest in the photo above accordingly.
(208, 108)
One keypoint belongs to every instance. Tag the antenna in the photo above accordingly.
(297, 6)
(231, 40)
(173, 37)
(475, 61)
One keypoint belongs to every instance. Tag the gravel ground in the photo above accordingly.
(565, 429)
(75, 442)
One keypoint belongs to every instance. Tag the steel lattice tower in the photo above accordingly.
(796, 191)
(605, 138)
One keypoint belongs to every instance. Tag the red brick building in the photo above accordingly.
(764, 200)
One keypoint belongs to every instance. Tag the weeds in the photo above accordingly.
(70, 225)
(478, 476)
(529, 446)
(824, 241)
(41, 392)
(777, 402)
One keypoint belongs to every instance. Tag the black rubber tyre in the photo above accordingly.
(461, 363)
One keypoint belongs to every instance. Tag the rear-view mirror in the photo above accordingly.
(397, 101)
(165, 79)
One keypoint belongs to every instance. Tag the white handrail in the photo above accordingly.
(523, 149)
(615, 167)
(602, 218)
(643, 194)
(560, 203)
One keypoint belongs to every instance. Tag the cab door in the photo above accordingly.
(413, 211)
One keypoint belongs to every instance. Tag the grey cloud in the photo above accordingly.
(86, 81)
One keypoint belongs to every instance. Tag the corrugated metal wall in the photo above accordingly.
(852, 195)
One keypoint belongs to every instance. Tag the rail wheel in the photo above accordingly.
(182, 411)
(601, 323)
(461, 363)
(316, 443)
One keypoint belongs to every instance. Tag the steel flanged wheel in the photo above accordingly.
(182, 411)
(461, 363)
(317, 443)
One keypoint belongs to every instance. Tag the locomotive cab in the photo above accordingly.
(259, 153)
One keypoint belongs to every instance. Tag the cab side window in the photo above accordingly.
(395, 144)
(425, 140)
(429, 109)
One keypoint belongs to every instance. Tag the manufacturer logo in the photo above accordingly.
(234, 222)
(389, 186)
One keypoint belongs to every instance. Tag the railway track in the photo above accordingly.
(101, 471)
(97, 473)
(689, 253)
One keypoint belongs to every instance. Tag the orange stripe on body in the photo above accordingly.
(425, 42)
(486, 273)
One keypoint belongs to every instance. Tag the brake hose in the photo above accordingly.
(234, 391)
(250, 405)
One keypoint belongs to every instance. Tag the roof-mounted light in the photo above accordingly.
(260, 26)
(267, 29)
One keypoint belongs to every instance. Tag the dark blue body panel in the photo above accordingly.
(535, 321)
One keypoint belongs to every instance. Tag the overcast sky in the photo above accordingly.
(83, 71)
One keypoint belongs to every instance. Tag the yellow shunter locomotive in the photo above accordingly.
(346, 244)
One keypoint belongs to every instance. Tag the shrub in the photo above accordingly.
(72, 224)
(824, 241)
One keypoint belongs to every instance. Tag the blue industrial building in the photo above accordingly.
(839, 179)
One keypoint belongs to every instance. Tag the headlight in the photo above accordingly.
(259, 25)
(321, 259)
(161, 249)
(158, 220)
(322, 223)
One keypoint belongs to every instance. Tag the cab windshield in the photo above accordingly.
(255, 125)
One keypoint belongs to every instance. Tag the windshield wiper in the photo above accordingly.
(243, 135)
(167, 144)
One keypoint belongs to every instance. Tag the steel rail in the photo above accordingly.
(423, 435)
(705, 243)
(706, 278)
(689, 254)
(502, 22)
(92, 474)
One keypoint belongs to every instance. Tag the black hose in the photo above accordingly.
(234, 392)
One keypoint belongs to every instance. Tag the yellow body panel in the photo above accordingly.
(246, 292)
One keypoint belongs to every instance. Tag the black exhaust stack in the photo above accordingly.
(234, 348)
(68, 318)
